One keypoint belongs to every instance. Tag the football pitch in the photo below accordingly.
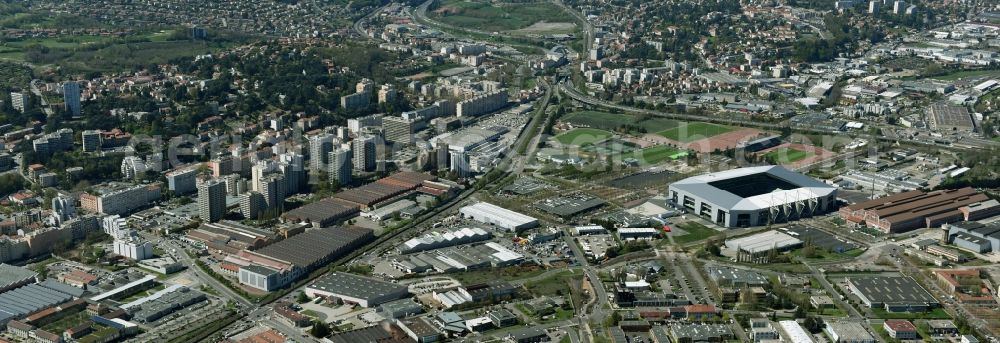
(690, 132)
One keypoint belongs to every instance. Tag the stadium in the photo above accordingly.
(753, 196)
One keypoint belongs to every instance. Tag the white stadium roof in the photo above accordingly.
(808, 188)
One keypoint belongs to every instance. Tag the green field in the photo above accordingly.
(492, 17)
(657, 154)
(613, 121)
(937, 313)
(695, 232)
(582, 136)
(965, 74)
(690, 132)
(786, 155)
(596, 119)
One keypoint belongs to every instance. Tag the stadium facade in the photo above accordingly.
(753, 196)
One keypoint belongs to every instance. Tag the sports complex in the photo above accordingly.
(753, 196)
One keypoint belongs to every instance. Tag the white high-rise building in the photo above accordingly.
(340, 166)
(133, 167)
(364, 152)
(211, 200)
(319, 150)
(134, 249)
(19, 101)
(258, 171)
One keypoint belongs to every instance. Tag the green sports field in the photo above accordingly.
(657, 154)
(786, 155)
(582, 136)
(690, 132)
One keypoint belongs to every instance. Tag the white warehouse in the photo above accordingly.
(501, 217)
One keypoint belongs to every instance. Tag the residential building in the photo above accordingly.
(212, 200)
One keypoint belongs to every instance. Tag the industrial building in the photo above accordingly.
(638, 233)
(130, 288)
(569, 206)
(31, 298)
(165, 303)
(13, 277)
(735, 278)
(975, 236)
(892, 293)
(322, 213)
(461, 258)
(848, 332)
(756, 247)
(912, 210)
(401, 308)
(281, 263)
(946, 117)
(437, 240)
(316, 247)
(498, 216)
(793, 332)
(682, 332)
(355, 289)
(753, 196)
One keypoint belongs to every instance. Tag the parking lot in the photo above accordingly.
(821, 238)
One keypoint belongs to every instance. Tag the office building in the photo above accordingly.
(211, 200)
(71, 98)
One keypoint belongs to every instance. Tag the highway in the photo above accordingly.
(588, 28)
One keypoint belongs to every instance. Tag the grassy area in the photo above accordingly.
(690, 132)
(937, 313)
(481, 276)
(695, 232)
(598, 120)
(657, 154)
(87, 53)
(966, 74)
(553, 285)
(67, 322)
(786, 155)
(836, 312)
(492, 17)
(582, 136)
(312, 314)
